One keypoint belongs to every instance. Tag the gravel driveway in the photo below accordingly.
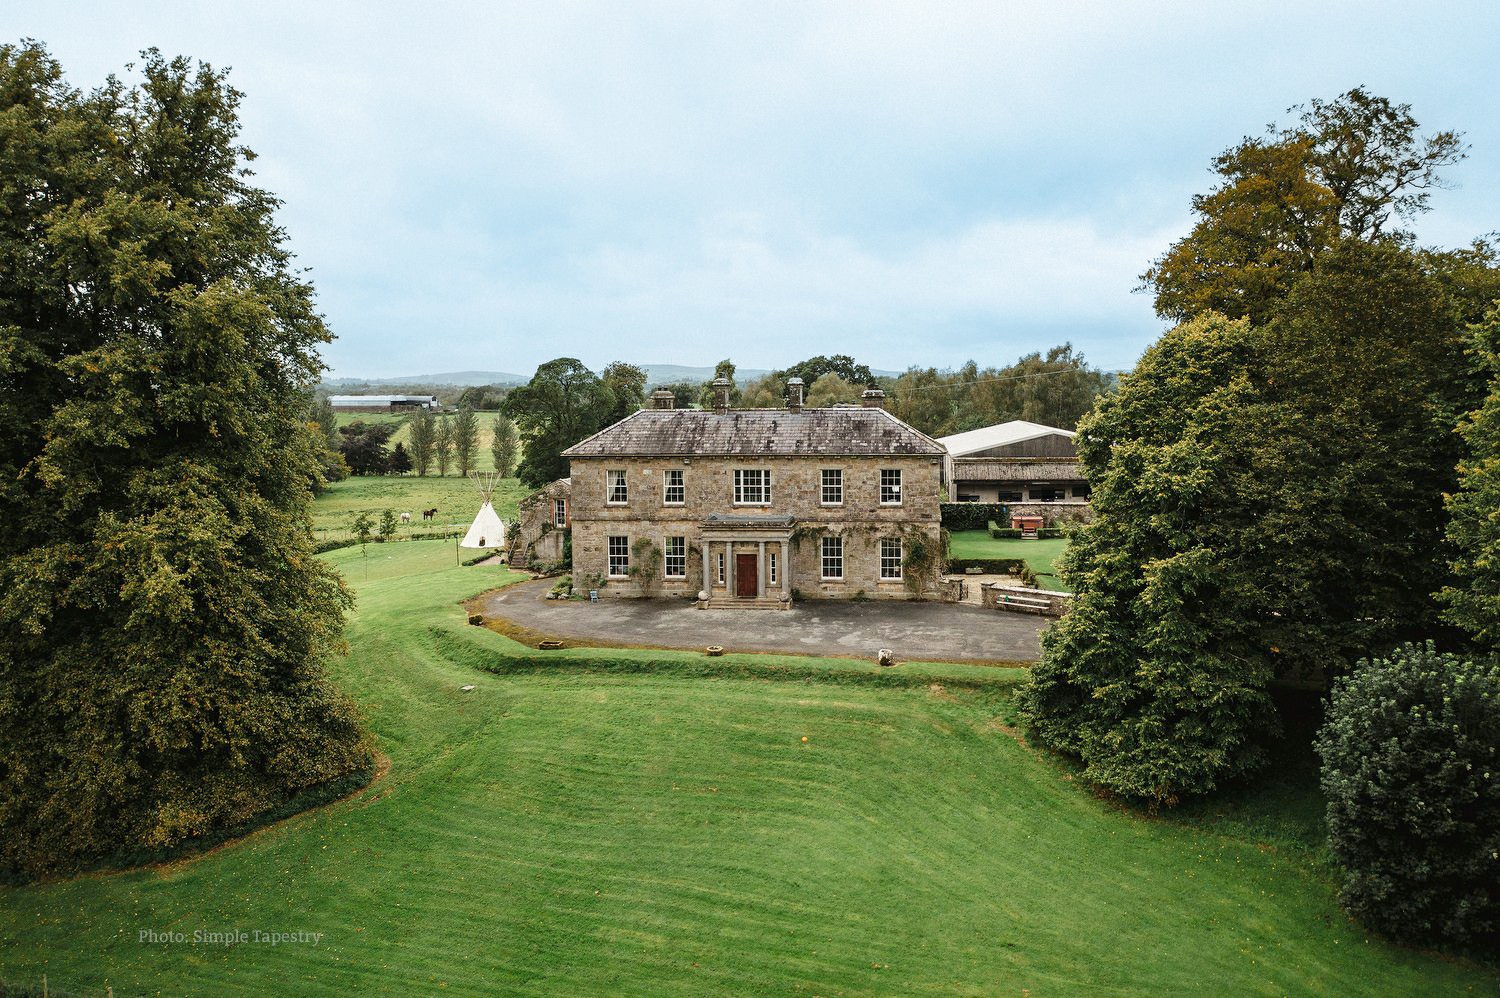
(940, 632)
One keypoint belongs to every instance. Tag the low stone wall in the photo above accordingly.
(1054, 514)
(1024, 599)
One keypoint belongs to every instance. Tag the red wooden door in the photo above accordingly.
(746, 581)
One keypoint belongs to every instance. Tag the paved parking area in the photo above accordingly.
(940, 632)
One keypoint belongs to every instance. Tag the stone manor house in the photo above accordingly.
(749, 507)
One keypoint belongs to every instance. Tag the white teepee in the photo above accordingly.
(487, 531)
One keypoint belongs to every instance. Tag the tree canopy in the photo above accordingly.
(1472, 597)
(1268, 491)
(1345, 171)
(1054, 388)
(164, 625)
(562, 403)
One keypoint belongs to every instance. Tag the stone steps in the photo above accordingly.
(737, 603)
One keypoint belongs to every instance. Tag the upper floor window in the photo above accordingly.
(890, 558)
(833, 557)
(890, 487)
(675, 560)
(619, 492)
(833, 487)
(674, 491)
(752, 487)
(619, 557)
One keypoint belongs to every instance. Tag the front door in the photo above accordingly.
(746, 581)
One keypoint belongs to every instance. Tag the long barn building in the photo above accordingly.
(381, 403)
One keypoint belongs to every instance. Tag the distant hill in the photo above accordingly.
(463, 378)
(656, 374)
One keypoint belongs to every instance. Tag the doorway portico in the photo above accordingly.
(747, 561)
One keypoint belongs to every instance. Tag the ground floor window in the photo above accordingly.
(772, 567)
(833, 557)
(675, 560)
(1008, 495)
(721, 568)
(619, 557)
(890, 558)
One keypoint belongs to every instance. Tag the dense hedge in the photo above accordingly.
(1411, 756)
(973, 515)
(349, 542)
(991, 566)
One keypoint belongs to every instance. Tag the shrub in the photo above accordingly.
(1411, 752)
(972, 515)
(990, 566)
(1003, 533)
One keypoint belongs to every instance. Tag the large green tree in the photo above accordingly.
(625, 385)
(505, 445)
(423, 441)
(1473, 596)
(1344, 171)
(163, 624)
(563, 403)
(465, 440)
(1268, 492)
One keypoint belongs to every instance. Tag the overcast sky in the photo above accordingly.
(488, 186)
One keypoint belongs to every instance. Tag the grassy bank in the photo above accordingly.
(570, 831)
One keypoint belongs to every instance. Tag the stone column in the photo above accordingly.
(729, 568)
(786, 569)
(708, 583)
(760, 571)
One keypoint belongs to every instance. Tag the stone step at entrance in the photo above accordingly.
(722, 602)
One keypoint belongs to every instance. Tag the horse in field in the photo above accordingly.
(428, 514)
(405, 517)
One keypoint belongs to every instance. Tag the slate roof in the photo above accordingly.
(841, 432)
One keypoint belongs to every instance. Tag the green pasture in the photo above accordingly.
(748, 825)
(456, 500)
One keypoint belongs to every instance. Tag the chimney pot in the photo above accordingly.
(663, 399)
(794, 395)
(872, 398)
(721, 388)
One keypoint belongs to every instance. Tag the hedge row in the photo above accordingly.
(349, 542)
(973, 515)
(990, 566)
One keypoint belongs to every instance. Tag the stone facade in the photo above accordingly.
(780, 541)
(541, 527)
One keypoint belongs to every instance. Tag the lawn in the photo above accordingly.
(568, 830)
(1039, 554)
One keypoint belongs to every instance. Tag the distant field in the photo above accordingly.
(561, 828)
(1039, 554)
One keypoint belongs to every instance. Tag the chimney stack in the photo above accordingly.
(663, 399)
(794, 395)
(721, 394)
(872, 398)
